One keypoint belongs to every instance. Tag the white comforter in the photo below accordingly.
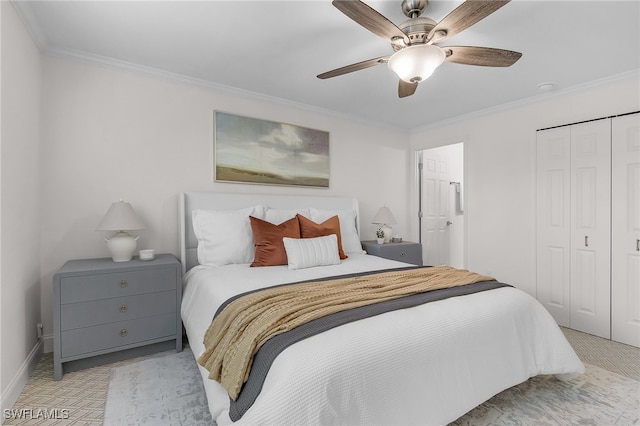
(426, 365)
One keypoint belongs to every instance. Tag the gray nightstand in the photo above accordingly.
(405, 251)
(105, 311)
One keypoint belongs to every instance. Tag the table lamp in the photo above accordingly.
(384, 218)
(121, 218)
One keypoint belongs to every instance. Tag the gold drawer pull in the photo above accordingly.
(123, 332)
(123, 308)
(123, 283)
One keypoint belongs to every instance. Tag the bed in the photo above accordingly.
(426, 364)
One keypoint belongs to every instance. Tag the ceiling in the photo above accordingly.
(276, 49)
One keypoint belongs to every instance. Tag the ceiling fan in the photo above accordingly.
(415, 41)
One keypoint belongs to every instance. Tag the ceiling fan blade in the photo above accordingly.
(370, 19)
(481, 56)
(464, 16)
(354, 67)
(406, 89)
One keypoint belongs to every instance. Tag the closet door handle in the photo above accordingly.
(586, 241)
(638, 245)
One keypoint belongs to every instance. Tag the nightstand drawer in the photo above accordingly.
(405, 251)
(102, 286)
(96, 312)
(110, 336)
(402, 254)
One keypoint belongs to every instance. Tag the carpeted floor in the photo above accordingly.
(84, 393)
(613, 356)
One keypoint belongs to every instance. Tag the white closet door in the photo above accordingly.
(590, 227)
(553, 227)
(625, 230)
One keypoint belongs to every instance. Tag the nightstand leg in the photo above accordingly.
(57, 370)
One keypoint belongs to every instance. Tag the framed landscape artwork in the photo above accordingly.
(250, 150)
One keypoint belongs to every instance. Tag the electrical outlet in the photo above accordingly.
(39, 330)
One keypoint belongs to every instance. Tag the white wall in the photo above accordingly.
(500, 170)
(20, 203)
(110, 134)
(2, 399)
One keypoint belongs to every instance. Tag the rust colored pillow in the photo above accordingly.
(310, 229)
(267, 240)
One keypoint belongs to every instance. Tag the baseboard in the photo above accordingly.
(20, 379)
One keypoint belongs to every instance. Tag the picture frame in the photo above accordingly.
(257, 151)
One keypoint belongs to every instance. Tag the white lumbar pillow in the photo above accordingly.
(309, 252)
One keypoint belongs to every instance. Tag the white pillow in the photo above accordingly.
(277, 216)
(309, 252)
(348, 232)
(224, 236)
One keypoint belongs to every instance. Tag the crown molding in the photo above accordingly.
(594, 84)
(27, 18)
(45, 47)
(120, 65)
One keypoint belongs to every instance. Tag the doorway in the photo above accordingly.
(442, 205)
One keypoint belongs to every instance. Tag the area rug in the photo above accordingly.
(167, 390)
(596, 398)
(162, 390)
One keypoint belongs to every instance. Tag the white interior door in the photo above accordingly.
(625, 230)
(435, 209)
(590, 227)
(553, 264)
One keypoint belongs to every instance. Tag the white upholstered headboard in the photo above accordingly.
(190, 201)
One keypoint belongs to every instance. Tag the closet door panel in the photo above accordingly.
(553, 222)
(625, 228)
(590, 227)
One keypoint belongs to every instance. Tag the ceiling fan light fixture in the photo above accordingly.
(416, 63)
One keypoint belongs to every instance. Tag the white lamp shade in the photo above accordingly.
(384, 217)
(416, 63)
(120, 217)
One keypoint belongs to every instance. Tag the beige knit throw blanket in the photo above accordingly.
(246, 323)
